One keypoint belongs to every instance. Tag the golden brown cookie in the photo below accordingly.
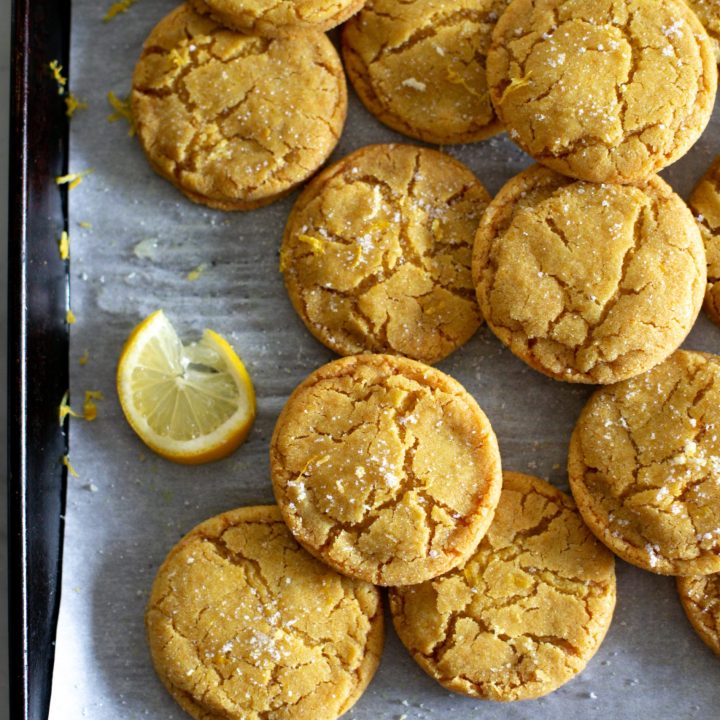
(419, 66)
(705, 203)
(271, 19)
(644, 466)
(526, 612)
(708, 12)
(385, 468)
(243, 623)
(700, 598)
(376, 253)
(603, 91)
(236, 121)
(588, 283)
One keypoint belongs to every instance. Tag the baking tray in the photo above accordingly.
(640, 666)
(37, 349)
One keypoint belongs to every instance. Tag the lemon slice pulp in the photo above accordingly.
(189, 403)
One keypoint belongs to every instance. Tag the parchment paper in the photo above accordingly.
(128, 507)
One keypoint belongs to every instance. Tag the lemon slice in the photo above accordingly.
(189, 403)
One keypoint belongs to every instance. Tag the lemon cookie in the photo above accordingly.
(271, 19)
(385, 468)
(419, 66)
(377, 249)
(705, 203)
(588, 283)
(243, 623)
(236, 121)
(607, 92)
(526, 612)
(644, 466)
(700, 597)
(708, 12)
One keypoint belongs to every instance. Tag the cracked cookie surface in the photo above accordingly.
(606, 91)
(588, 283)
(644, 466)
(278, 17)
(419, 66)
(376, 253)
(236, 121)
(705, 203)
(385, 468)
(244, 624)
(708, 12)
(700, 598)
(528, 609)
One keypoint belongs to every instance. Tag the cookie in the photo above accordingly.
(385, 468)
(644, 466)
(607, 92)
(236, 121)
(708, 12)
(705, 203)
(419, 66)
(700, 598)
(260, 17)
(526, 612)
(376, 253)
(588, 283)
(243, 623)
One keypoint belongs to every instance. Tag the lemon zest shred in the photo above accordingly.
(515, 84)
(64, 245)
(72, 180)
(64, 410)
(358, 256)
(72, 105)
(118, 7)
(317, 459)
(123, 111)
(70, 318)
(436, 227)
(179, 59)
(56, 70)
(71, 469)
(316, 244)
(83, 359)
(85, 224)
(457, 79)
(379, 225)
(195, 274)
(89, 406)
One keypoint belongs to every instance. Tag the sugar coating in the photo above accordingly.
(644, 466)
(419, 66)
(585, 282)
(243, 623)
(236, 121)
(280, 16)
(376, 253)
(700, 597)
(705, 204)
(526, 612)
(385, 468)
(708, 12)
(602, 90)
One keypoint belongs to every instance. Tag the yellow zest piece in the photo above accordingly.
(65, 409)
(195, 274)
(316, 244)
(516, 84)
(72, 104)
(83, 359)
(189, 403)
(56, 70)
(84, 224)
(358, 256)
(72, 180)
(71, 469)
(117, 8)
(122, 110)
(70, 317)
(379, 225)
(457, 79)
(180, 59)
(64, 246)
(89, 406)
(436, 228)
